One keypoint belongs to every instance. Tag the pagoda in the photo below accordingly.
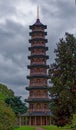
(39, 113)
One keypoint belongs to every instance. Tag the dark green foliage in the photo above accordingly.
(63, 78)
(16, 104)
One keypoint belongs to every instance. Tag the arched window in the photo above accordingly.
(38, 92)
(45, 106)
(38, 106)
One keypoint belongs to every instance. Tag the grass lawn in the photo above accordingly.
(55, 128)
(45, 127)
(25, 128)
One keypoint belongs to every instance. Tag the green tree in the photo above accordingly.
(7, 117)
(7, 92)
(2, 96)
(16, 104)
(63, 80)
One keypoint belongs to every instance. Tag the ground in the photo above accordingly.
(43, 128)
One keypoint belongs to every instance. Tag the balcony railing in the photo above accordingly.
(38, 97)
(38, 44)
(38, 36)
(38, 63)
(38, 39)
(37, 84)
(39, 73)
(38, 53)
(43, 110)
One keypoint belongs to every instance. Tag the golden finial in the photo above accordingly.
(37, 12)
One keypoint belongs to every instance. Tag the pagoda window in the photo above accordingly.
(32, 81)
(31, 93)
(45, 92)
(42, 42)
(33, 51)
(39, 93)
(45, 106)
(38, 60)
(38, 80)
(42, 34)
(38, 106)
(43, 59)
(34, 59)
(31, 106)
(43, 51)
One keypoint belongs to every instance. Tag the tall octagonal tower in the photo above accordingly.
(39, 113)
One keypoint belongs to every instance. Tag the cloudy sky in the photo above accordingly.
(15, 18)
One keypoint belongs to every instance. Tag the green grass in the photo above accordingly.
(74, 119)
(25, 128)
(45, 127)
(55, 128)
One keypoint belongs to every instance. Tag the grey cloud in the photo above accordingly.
(13, 55)
(7, 8)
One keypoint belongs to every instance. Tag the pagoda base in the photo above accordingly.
(39, 120)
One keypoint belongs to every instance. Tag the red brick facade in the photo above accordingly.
(39, 113)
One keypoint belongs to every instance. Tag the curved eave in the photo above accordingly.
(38, 39)
(37, 76)
(37, 100)
(38, 65)
(34, 25)
(38, 56)
(37, 88)
(37, 32)
(38, 47)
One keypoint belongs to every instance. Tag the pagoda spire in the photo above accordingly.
(37, 12)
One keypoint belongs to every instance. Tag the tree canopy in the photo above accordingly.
(5, 91)
(7, 117)
(10, 106)
(63, 80)
(16, 104)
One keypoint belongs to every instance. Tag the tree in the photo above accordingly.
(63, 80)
(7, 117)
(16, 104)
(7, 92)
(2, 96)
